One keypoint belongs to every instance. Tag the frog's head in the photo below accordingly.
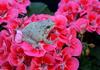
(49, 25)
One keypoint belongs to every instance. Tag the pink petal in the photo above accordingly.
(49, 47)
(72, 64)
(76, 47)
(35, 52)
(21, 67)
(26, 46)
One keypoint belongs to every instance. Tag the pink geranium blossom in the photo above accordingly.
(5, 66)
(4, 47)
(6, 11)
(72, 17)
(21, 67)
(98, 23)
(69, 64)
(60, 21)
(74, 46)
(29, 50)
(42, 63)
(81, 24)
(16, 56)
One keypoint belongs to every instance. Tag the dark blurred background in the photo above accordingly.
(52, 4)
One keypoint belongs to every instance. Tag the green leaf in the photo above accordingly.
(91, 62)
(85, 64)
(38, 8)
(96, 52)
(98, 37)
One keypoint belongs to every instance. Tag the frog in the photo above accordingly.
(38, 31)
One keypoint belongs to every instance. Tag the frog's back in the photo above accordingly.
(36, 30)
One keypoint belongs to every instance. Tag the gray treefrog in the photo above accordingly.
(37, 31)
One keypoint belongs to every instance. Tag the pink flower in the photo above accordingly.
(21, 5)
(5, 66)
(98, 30)
(72, 7)
(72, 64)
(92, 21)
(44, 63)
(30, 51)
(65, 61)
(21, 67)
(5, 44)
(23, 2)
(60, 21)
(64, 1)
(69, 64)
(91, 27)
(33, 18)
(80, 25)
(66, 35)
(11, 14)
(49, 47)
(6, 10)
(42, 17)
(16, 55)
(3, 55)
(74, 47)
(92, 16)
(98, 23)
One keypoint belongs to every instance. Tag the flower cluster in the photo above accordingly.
(82, 15)
(16, 54)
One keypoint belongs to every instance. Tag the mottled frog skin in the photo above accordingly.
(37, 31)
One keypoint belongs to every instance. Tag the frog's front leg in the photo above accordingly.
(35, 44)
(48, 41)
(30, 41)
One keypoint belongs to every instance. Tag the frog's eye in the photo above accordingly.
(47, 27)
